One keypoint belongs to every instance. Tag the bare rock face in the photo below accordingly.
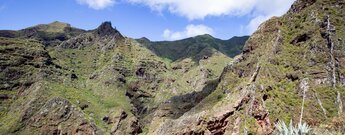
(78, 42)
(262, 118)
(59, 116)
(106, 29)
(105, 37)
(208, 122)
(115, 119)
(121, 123)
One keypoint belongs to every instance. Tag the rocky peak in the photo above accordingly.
(106, 29)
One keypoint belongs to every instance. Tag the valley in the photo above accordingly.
(58, 79)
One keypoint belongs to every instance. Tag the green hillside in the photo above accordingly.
(195, 47)
(57, 79)
(95, 81)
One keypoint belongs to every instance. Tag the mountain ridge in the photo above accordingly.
(94, 82)
(193, 46)
(55, 33)
(292, 69)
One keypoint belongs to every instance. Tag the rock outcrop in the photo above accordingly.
(59, 116)
(105, 37)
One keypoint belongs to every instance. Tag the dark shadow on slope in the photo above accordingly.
(176, 106)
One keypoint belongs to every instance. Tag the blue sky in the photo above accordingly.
(154, 19)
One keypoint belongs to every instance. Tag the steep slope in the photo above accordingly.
(195, 47)
(95, 82)
(100, 82)
(291, 68)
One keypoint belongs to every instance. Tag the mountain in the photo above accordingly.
(49, 34)
(291, 69)
(95, 81)
(101, 82)
(195, 47)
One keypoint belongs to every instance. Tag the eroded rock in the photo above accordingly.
(59, 116)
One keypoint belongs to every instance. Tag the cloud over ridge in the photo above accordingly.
(257, 11)
(199, 9)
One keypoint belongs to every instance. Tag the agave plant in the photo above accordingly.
(283, 129)
(303, 128)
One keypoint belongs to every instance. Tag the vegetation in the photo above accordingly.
(301, 129)
(98, 82)
(115, 84)
(195, 47)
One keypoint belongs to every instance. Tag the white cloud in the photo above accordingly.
(198, 9)
(190, 31)
(258, 10)
(97, 4)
